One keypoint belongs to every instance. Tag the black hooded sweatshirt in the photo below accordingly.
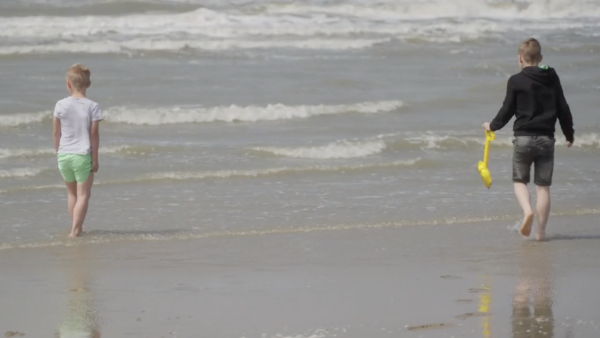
(536, 98)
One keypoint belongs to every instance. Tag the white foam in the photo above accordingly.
(315, 334)
(155, 45)
(336, 150)
(251, 173)
(5, 152)
(21, 172)
(174, 115)
(314, 26)
(273, 171)
(433, 141)
(233, 113)
(427, 10)
(15, 120)
(32, 152)
(586, 140)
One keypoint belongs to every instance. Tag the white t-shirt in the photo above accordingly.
(76, 117)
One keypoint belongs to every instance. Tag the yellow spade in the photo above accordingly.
(483, 166)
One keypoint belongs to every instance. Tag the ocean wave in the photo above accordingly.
(233, 113)
(374, 145)
(175, 115)
(420, 9)
(15, 120)
(66, 8)
(335, 150)
(165, 45)
(126, 150)
(251, 173)
(400, 141)
(433, 141)
(427, 10)
(7, 152)
(224, 174)
(331, 26)
(21, 172)
(117, 3)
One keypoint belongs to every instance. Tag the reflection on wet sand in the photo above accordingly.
(484, 308)
(534, 291)
(80, 319)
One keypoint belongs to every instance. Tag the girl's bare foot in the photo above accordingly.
(527, 223)
(75, 233)
(541, 234)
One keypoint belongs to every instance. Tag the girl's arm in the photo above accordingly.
(57, 134)
(95, 145)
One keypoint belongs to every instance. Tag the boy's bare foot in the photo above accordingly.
(527, 223)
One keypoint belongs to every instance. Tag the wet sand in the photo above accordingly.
(463, 280)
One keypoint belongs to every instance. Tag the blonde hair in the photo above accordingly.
(79, 76)
(531, 51)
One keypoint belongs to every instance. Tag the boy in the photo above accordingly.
(76, 141)
(536, 98)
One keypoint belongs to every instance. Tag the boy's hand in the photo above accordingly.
(486, 126)
(95, 167)
(570, 144)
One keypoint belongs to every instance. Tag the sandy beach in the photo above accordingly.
(480, 281)
(294, 169)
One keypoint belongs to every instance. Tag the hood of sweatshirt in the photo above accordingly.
(542, 74)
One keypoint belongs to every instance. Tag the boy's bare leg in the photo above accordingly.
(84, 192)
(72, 196)
(543, 211)
(524, 198)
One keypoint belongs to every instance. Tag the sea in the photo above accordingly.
(226, 117)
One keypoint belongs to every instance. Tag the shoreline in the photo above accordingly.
(100, 236)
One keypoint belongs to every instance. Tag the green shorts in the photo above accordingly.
(75, 167)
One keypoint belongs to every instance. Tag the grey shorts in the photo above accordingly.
(536, 150)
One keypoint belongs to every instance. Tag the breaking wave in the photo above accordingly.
(174, 115)
(126, 150)
(233, 113)
(335, 150)
(21, 172)
(238, 25)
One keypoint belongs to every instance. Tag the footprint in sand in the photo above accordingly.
(472, 314)
(464, 301)
(450, 277)
(428, 326)
(481, 289)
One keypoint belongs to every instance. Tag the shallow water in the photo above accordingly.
(234, 116)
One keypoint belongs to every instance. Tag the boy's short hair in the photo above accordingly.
(531, 50)
(79, 76)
